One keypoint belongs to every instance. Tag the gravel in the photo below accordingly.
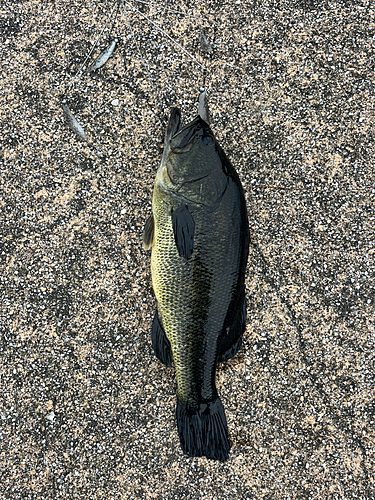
(86, 409)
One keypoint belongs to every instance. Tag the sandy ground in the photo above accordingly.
(86, 410)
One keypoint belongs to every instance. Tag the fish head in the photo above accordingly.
(192, 166)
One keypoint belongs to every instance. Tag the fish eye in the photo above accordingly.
(207, 140)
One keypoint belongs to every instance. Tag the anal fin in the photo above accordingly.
(160, 343)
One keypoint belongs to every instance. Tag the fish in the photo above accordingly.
(198, 234)
(73, 123)
(102, 57)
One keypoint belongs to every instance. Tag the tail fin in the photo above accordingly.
(203, 432)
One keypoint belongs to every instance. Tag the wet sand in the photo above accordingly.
(86, 409)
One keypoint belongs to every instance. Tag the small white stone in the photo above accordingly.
(115, 102)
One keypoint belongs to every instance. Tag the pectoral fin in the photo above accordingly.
(148, 233)
(183, 228)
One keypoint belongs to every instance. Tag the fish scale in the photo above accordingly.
(185, 303)
(199, 245)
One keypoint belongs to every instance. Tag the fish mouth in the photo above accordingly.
(174, 125)
(190, 125)
(180, 140)
(185, 137)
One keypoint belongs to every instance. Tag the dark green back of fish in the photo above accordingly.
(198, 264)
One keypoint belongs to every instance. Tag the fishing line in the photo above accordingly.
(211, 53)
(71, 84)
(177, 11)
(163, 32)
(114, 19)
(114, 12)
(136, 43)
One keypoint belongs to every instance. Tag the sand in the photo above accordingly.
(86, 410)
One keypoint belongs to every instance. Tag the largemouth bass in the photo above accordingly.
(199, 237)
